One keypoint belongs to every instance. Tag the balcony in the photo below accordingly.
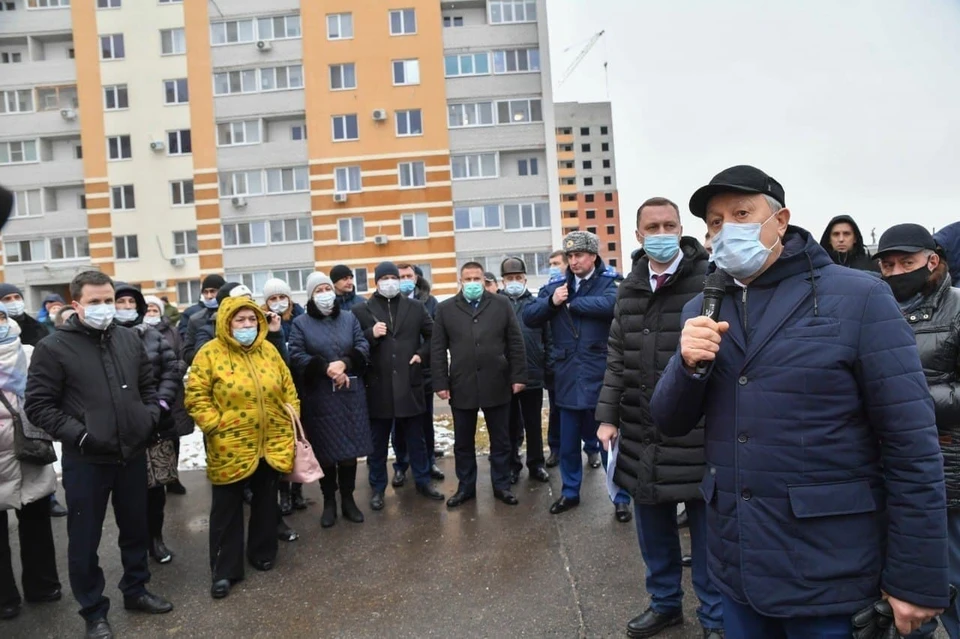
(258, 105)
(262, 207)
(54, 173)
(44, 72)
(500, 189)
(41, 123)
(526, 85)
(280, 153)
(498, 138)
(66, 222)
(247, 55)
(269, 257)
(478, 242)
(34, 21)
(487, 36)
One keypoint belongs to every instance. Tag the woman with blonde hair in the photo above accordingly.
(238, 393)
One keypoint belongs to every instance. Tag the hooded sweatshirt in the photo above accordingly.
(859, 258)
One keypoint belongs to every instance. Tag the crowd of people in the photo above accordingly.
(808, 427)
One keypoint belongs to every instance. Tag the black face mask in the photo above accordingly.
(906, 285)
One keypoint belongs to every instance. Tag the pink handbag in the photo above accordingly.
(306, 468)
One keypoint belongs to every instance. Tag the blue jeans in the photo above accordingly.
(577, 425)
(743, 622)
(660, 546)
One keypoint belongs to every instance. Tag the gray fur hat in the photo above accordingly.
(581, 242)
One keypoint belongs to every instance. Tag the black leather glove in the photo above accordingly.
(876, 620)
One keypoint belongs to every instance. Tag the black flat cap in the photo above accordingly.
(736, 179)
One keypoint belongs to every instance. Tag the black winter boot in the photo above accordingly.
(347, 474)
(328, 484)
(296, 495)
(286, 505)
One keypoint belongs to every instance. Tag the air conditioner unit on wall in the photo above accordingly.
(68, 114)
(177, 261)
(380, 240)
(379, 115)
(157, 145)
(264, 45)
(160, 285)
(339, 197)
(238, 202)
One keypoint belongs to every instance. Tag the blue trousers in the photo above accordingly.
(408, 430)
(577, 426)
(743, 622)
(660, 546)
(951, 616)
(402, 457)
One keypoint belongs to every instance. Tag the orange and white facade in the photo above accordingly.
(163, 140)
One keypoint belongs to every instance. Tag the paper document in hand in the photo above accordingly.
(612, 488)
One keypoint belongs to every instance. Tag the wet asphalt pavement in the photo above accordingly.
(414, 569)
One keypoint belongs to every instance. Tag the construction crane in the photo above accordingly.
(580, 56)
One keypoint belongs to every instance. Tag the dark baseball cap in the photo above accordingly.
(512, 266)
(736, 179)
(905, 238)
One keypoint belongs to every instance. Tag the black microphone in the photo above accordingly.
(713, 290)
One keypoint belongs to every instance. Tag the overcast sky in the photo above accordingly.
(853, 105)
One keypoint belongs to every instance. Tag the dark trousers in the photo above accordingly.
(660, 546)
(226, 523)
(740, 621)
(577, 426)
(526, 412)
(553, 425)
(156, 502)
(402, 458)
(410, 431)
(465, 446)
(38, 557)
(88, 488)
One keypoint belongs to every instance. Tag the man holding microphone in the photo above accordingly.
(824, 487)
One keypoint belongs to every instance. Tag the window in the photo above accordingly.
(47, 4)
(591, 214)
(406, 72)
(244, 81)
(237, 133)
(25, 251)
(608, 197)
(125, 247)
(412, 174)
(78, 152)
(121, 198)
(588, 181)
(584, 130)
(231, 32)
(56, 98)
(606, 164)
(8, 6)
(280, 78)
(241, 183)
(296, 278)
(185, 243)
(178, 142)
(611, 230)
(181, 193)
(340, 26)
(82, 201)
(473, 166)
(476, 217)
(585, 148)
(516, 61)
(453, 21)
(607, 180)
(115, 97)
(245, 234)
(610, 213)
(528, 167)
(69, 248)
(19, 152)
(343, 76)
(111, 47)
(604, 130)
(507, 11)
(254, 281)
(345, 127)
(587, 164)
(592, 229)
(415, 225)
(290, 180)
(176, 91)
(71, 53)
(519, 111)
(298, 229)
(19, 101)
(611, 246)
(298, 132)
(403, 22)
(118, 147)
(605, 147)
(188, 291)
(613, 262)
(467, 115)
(361, 279)
(347, 179)
(278, 28)
(10, 57)
(588, 197)
(526, 216)
(27, 204)
(173, 41)
(466, 64)
(409, 123)
(351, 229)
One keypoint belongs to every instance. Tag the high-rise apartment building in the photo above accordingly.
(166, 139)
(588, 175)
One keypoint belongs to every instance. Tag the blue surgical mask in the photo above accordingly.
(15, 308)
(738, 250)
(4, 330)
(245, 336)
(514, 289)
(555, 271)
(152, 320)
(472, 291)
(99, 316)
(407, 286)
(211, 303)
(127, 315)
(661, 248)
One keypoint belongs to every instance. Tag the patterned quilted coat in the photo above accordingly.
(824, 479)
(236, 396)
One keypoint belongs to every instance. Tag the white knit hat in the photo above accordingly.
(156, 301)
(275, 286)
(314, 280)
(240, 290)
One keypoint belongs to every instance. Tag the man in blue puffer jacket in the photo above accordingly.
(578, 305)
(824, 486)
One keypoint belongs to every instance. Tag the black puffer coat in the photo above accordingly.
(646, 330)
(936, 324)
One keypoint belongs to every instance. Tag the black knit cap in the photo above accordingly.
(212, 281)
(383, 269)
(339, 272)
(224, 291)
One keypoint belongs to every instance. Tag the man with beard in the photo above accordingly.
(843, 242)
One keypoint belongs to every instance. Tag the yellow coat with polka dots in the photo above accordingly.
(236, 395)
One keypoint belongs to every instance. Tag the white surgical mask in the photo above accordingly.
(99, 316)
(325, 301)
(152, 320)
(15, 308)
(126, 315)
(280, 307)
(388, 288)
(738, 250)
